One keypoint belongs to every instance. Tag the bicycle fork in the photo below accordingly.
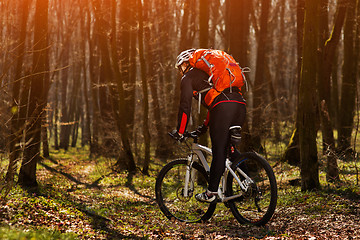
(189, 185)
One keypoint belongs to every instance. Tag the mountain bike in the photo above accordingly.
(248, 185)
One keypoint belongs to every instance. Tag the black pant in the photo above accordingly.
(225, 113)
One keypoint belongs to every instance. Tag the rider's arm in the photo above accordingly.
(207, 120)
(185, 104)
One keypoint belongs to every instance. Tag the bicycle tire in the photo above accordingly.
(257, 205)
(169, 188)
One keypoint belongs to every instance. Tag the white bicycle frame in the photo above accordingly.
(199, 150)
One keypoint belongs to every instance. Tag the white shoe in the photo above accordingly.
(205, 197)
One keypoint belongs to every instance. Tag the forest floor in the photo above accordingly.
(82, 198)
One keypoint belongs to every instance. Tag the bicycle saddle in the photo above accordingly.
(235, 134)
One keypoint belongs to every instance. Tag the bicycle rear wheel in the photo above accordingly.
(257, 204)
(170, 197)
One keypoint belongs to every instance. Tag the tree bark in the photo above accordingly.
(324, 90)
(145, 121)
(64, 119)
(348, 89)
(162, 149)
(203, 42)
(308, 100)
(259, 91)
(37, 98)
(94, 141)
(292, 152)
(118, 100)
(86, 111)
(16, 122)
(126, 10)
(238, 11)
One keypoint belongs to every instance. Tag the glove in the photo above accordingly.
(175, 135)
(201, 129)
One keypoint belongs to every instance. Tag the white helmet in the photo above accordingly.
(184, 56)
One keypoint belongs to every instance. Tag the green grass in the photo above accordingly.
(40, 234)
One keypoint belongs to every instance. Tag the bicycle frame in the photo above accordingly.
(199, 150)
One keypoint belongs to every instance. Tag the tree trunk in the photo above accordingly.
(16, 125)
(145, 122)
(204, 42)
(282, 86)
(186, 42)
(307, 100)
(64, 119)
(94, 141)
(348, 88)
(37, 98)
(292, 152)
(126, 13)
(204, 23)
(119, 103)
(44, 136)
(56, 116)
(324, 90)
(238, 11)
(214, 10)
(259, 92)
(162, 149)
(86, 112)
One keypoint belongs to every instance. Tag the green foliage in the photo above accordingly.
(41, 234)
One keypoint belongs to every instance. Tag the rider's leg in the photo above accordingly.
(221, 118)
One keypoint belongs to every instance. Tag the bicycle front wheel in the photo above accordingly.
(169, 189)
(257, 203)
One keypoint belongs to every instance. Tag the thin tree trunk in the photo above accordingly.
(186, 42)
(126, 13)
(324, 89)
(292, 152)
(56, 116)
(44, 136)
(260, 94)
(162, 149)
(172, 90)
(238, 11)
(119, 102)
(214, 10)
(15, 128)
(64, 119)
(348, 89)
(204, 43)
(145, 126)
(86, 111)
(94, 142)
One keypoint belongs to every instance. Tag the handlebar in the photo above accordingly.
(194, 135)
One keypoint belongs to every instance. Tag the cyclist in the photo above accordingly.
(226, 110)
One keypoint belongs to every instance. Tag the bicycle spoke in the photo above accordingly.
(260, 194)
(170, 193)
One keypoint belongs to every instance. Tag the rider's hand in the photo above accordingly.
(177, 136)
(201, 129)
